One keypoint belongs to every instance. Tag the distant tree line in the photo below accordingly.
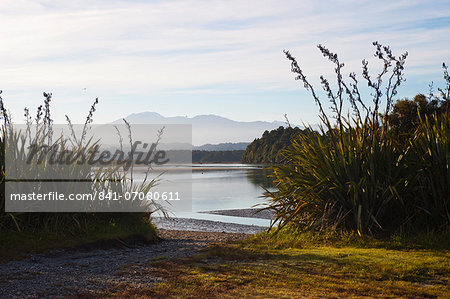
(406, 114)
(268, 149)
(216, 156)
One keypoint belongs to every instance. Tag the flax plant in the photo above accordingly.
(430, 158)
(105, 179)
(348, 174)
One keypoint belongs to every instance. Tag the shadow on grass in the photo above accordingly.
(230, 270)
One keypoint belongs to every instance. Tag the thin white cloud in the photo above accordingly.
(169, 46)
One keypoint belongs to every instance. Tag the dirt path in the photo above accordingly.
(66, 272)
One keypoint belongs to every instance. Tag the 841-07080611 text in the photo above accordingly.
(136, 195)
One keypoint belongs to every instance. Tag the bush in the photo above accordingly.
(429, 160)
(105, 179)
(354, 173)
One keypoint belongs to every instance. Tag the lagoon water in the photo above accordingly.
(221, 187)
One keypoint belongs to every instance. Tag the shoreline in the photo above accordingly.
(247, 213)
(205, 226)
(201, 167)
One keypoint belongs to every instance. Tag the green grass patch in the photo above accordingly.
(291, 237)
(255, 268)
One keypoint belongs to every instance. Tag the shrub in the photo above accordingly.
(354, 173)
(107, 179)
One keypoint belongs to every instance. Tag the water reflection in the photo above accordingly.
(224, 187)
(261, 177)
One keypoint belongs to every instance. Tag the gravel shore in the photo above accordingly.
(64, 273)
(249, 213)
(188, 224)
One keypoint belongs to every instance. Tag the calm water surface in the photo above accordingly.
(223, 187)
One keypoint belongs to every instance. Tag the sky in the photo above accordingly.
(185, 58)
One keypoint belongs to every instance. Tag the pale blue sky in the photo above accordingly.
(204, 57)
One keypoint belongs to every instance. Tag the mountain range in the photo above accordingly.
(228, 146)
(210, 129)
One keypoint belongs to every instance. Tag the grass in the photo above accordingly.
(290, 237)
(255, 268)
(120, 231)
